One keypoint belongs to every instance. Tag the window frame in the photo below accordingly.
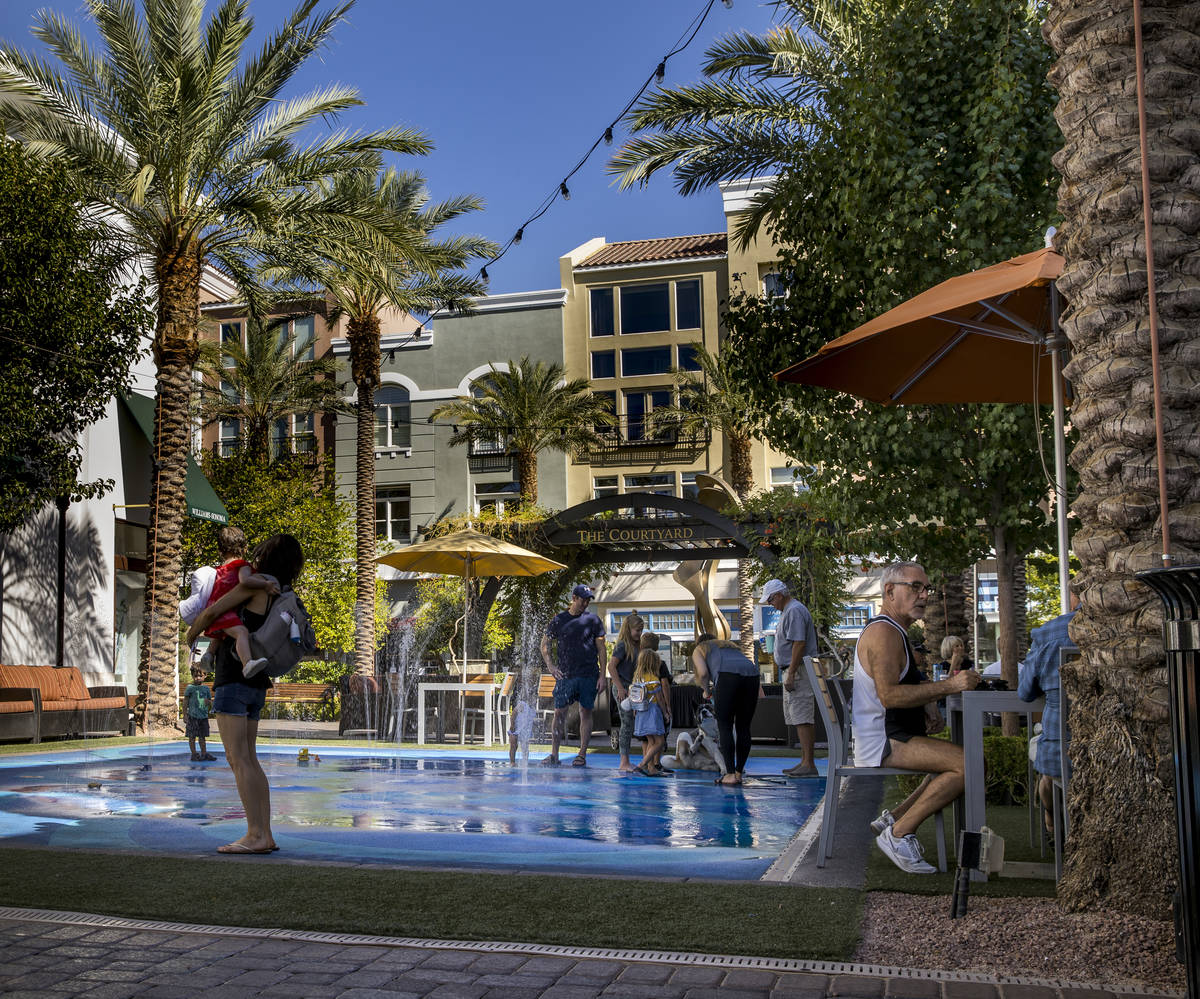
(389, 494)
(391, 421)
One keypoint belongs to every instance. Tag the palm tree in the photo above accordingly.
(422, 274)
(1122, 847)
(265, 381)
(715, 400)
(532, 408)
(182, 140)
(758, 108)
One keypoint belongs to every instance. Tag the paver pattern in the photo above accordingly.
(45, 959)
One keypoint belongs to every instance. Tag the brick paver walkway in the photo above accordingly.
(40, 959)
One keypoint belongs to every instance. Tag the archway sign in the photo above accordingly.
(647, 527)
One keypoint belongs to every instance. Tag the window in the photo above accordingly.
(645, 361)
(304, 438)
(607, 425)
(280, 436)
(687, 486)
(393, 418)
(604, 485)
(602, 312)
(305, 329)
(773, 286)
(660, 485)
(604, 364)
(230, 333)
(687, 305)
(793, 478)
(687, 357)
(229, 433)
(645, 308)
(855, 617)
(496, 496)
(392, 514)
(639, 404)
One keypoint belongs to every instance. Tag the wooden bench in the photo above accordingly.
(302, 693)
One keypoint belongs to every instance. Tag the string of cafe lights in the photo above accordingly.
(561, 191)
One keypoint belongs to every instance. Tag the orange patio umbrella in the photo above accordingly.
(987, 336)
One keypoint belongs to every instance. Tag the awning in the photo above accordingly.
(202, 499)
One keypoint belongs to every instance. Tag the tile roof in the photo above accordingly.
(644, 250)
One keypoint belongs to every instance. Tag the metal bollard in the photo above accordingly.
(1179, 590)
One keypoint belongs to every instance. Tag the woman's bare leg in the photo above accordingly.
(239, 735)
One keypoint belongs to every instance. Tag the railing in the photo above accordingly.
(489, 454)
(304, 448)
(644, 438)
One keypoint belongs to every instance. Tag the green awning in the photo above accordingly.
(202, 499)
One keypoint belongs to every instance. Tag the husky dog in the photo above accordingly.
(699, 749)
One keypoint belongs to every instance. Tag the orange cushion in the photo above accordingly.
(15, 707)
(16, 676)
(103, 703)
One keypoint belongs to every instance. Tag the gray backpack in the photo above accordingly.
(285, 637)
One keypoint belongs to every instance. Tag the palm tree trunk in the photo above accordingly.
(1122, 849)
(176, 348)
(741, 469)
(363, 335)
(527, 470)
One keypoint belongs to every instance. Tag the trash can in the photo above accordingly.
(1179, 590)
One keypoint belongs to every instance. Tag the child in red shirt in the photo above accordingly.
(234, 569)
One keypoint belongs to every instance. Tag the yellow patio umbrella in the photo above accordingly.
(469, 554)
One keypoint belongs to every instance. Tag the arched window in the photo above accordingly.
(393, 418)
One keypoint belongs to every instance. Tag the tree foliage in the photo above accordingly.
(935, 161)
(294, 497)
(72, 323)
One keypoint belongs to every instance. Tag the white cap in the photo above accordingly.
(774, 586)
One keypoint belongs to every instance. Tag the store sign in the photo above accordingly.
(640, 535)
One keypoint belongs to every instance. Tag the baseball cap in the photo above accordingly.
(583, 590)
(773, 586)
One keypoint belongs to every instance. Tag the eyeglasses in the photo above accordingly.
(919, 589)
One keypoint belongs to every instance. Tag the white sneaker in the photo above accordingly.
(254, 666)
(885, 821)
(905, 852)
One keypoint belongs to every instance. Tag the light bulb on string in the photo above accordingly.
(608, 136)
(483, 273)
(520, 234)
(661, 71)
(564, 191)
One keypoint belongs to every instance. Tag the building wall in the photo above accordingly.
(438, 367)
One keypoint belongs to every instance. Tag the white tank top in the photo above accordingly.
(870, 737)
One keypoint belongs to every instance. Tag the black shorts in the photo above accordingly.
(196, 728)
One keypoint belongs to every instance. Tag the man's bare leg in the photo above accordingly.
(585, 729)
(943, 761)
(911, 800)
(558, 728)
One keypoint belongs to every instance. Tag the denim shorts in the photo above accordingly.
(576, 688)
(239, 699)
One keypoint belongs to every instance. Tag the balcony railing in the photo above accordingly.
(489, 454)
(627, 439)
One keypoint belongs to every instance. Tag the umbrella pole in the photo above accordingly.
(1060, 459)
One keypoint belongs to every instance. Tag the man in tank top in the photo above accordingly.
(895, 711)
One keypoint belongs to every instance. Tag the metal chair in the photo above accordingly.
(837, 728)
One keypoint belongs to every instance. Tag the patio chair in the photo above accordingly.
(474, 716)
(837, 725)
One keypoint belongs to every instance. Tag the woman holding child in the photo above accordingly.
(621, 667)
(238, 698)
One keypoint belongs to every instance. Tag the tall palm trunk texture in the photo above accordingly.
(742, 473)
(527, 472)
(363, 334)
(176, 348)
(1122, 849)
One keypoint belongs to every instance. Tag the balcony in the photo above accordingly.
(489, 454)
(629, 440)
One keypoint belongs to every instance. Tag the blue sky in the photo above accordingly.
(512, 94)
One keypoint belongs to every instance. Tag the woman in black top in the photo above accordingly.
(238, 701)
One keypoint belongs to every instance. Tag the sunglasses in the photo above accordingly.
(919, 589)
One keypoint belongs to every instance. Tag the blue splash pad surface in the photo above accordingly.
(434, 809)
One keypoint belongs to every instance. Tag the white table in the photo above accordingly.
(488, 690)
(966, 711)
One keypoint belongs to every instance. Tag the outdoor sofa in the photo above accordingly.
(37, 702)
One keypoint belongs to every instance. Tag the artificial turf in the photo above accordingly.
(706, 917)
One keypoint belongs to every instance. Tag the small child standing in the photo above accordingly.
(234, 569)
(198, 700)
(652, 709)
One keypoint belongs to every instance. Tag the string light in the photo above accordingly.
(685, 39)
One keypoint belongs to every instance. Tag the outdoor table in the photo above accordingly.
(488, 690)
(966, 711)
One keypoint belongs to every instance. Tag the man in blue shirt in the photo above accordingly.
(1040, 677)
(579, 639)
